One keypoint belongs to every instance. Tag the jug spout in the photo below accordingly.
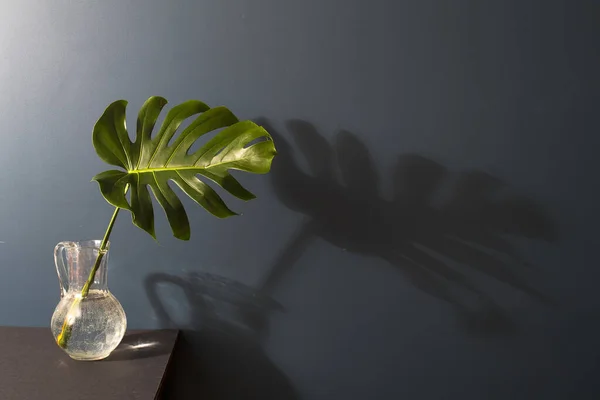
(61, 255)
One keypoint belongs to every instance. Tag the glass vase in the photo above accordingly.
(90, 327)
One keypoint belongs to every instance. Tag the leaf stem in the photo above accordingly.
(101, 252)
(65, 333)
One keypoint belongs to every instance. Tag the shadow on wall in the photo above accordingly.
(434, 247)
(437, 249)
(219, 355)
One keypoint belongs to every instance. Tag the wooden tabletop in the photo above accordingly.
(33, 367)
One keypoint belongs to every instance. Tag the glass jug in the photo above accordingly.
(93, 326)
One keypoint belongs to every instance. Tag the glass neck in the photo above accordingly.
(81, 261)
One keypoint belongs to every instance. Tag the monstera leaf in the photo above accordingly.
(152, 163)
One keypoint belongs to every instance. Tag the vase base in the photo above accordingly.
(84, 357)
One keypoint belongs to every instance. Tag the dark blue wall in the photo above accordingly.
(421, 144)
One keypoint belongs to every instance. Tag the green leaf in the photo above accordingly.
(153, 165)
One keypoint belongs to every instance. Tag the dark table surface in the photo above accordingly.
(33, 367)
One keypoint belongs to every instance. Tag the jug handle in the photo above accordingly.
(62, 268)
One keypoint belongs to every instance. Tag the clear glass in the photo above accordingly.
(97, 323)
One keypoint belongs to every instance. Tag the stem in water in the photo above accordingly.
(67, 327)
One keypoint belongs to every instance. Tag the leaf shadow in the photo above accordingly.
(437, 248)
